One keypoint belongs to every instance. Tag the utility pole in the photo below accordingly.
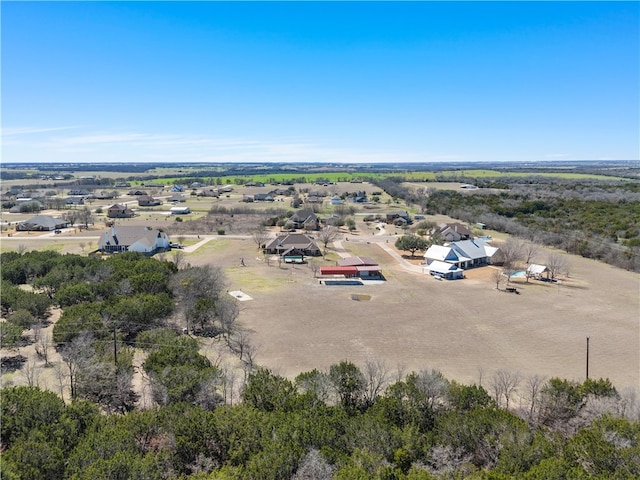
(115, 347)
(587, 358)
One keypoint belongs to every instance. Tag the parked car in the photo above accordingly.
(176, 245)
(57, 231)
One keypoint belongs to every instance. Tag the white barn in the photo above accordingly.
(179, 210)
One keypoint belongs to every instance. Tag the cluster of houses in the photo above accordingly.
(449, 261)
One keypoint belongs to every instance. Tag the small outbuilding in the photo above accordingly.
(536, 271)
(179, 210)
(360, 267)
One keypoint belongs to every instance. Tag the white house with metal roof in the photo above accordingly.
(133, 239)
(463, 254)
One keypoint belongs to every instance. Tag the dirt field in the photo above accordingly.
(465, 328)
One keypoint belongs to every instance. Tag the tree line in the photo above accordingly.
(343, 423)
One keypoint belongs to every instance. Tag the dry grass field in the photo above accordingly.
(465, 328)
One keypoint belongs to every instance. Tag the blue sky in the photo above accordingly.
(320, 82)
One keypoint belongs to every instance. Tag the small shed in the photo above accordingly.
(536, 271)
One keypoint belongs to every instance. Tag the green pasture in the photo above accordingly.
(420, 176)
(186, 175)
(218, 244)
(251, 279)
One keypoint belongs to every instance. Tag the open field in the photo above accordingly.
(464, 328)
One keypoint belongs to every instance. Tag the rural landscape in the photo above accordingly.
(312, 321)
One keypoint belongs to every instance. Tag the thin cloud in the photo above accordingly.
(10, 132)
(133, 146)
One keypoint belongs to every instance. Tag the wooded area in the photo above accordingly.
(598, 220)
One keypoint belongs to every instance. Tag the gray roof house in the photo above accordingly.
(41, 223)
(454, 232)
(119, 211)
(148, 201)
(293, 244)
(399, 215)
(305, 219)
(133, 239)
(463, 254)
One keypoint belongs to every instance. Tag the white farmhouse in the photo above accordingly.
(133, 239)
(463, 254)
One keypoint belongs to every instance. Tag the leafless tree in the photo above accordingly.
(556, 264)
(260, 235)
(376, 376)
(179, 259)
(630, 404)
(313, 466)
(399, 373)
(228, 384)
(511, 252)
(314, 268)
(42, 346)
(240, 344)
(529, 251)
(75, 354)
(70, 216)
(497, 275)
(85, 217)
(533, 386)
(446, 459)
(433, 385)
(327, 235)
(61, 377)
(504, 385)
(31, 372)
(227, 311)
